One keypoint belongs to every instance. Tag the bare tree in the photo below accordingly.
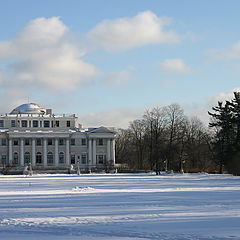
(124, 152)
(175, 119)
(165, 139)
(155, 121)
(137, 130)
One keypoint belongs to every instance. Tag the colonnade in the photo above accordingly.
(44, 152)
(92, 151)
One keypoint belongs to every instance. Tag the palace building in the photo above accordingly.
(31, 134)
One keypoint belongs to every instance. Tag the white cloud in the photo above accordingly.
(201, 109)
(124, 33)
(176, 66)
(119, 118)
(12, 98)
(118, 78)
(231, 52)
(45, 54)
(222, 97)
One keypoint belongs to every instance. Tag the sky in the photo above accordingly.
(109, 61)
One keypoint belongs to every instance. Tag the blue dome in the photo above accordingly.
(28, 108)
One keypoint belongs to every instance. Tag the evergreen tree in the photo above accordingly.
(222, 120)
(234, 163)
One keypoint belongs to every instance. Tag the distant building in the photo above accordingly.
(33, 134)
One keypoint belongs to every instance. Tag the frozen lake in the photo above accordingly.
(120, 206)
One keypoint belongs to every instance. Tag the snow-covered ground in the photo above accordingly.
(120, 206)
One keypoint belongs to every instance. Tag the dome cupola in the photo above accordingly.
(28, 108)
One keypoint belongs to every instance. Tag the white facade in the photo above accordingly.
(33, 135)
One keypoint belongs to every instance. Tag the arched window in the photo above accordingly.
(39, 158)
(26, 158)
(15, 158)
(50, 158)
(61, 158)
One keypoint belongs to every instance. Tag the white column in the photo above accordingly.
(33, 152)
(94, 152)
(21, 152)
(109, 149)
(45, 152)
(90, 151)
(56, 152)
(113, 151)
(10, 154)
(67, 152)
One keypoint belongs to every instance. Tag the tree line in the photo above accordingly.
(165, 139)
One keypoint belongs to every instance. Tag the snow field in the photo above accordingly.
(120, 206)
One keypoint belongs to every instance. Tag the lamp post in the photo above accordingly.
(181, 170)
(165, 162)
(78, 168)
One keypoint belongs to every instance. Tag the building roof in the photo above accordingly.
(101, 130)
(28, 108)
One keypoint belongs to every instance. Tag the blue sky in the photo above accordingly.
(109, 61)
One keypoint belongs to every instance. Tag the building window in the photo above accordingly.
(4, 142)
(39, 142)
(24, 123)
(100, 142)
(46, 124)
(1, 123)
(26, 158)
(15, 142)
(27, 142)
(15, 158)
(40, 124)
(61, 158)
(73, 159)
(84, 142)
(68, 123)
(61, 142)
(101, 159)
(29, 123)
(50, 158)
(50, 141)
(13, 123)
(4, 158)
(83, 158)
(72, 141)
(35, 123)
(57, 123)
(38, 158)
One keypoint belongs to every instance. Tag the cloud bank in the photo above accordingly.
(44, 54)
(125, 33)
(119, 118)
(231, 52)
(175, 66)
(118, 78)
